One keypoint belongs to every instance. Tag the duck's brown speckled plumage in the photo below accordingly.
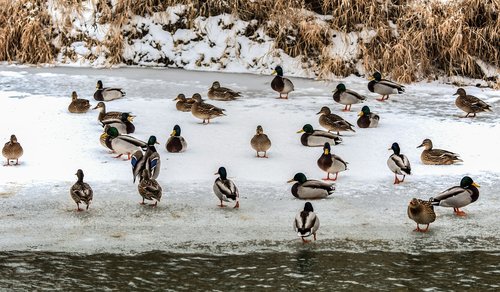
(216, 92)
(78, 105)
(260, 142)
(12, 150)
(149, 188)
(205, 111)
(333, 122)
(470, 104)
(183, 104)
(81, 192)
(422, 212)
(432, 156)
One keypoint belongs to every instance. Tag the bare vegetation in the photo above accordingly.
(414, 39)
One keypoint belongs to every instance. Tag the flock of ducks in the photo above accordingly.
(145, 159)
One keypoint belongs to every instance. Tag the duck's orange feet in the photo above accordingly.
(237, 205)
(459, 212)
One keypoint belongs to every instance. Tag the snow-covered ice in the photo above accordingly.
(366, 211)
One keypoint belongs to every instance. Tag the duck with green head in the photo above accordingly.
(398, 163)
(149, 160)
(176, 143)
(124, 144)
(309, 189)
(149, 188)
(346, 97)
(107, 93)
(281, 84)
(81, 192)
(306, 223)
(317, 138)
(225, 189)
(124, 125)
(458, 196)
(367, 119)
(384, 87)
(331, 163)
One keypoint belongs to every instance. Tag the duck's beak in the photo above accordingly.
(216, 173)
(420, 145)
(175, 99)
(326, 151)
(360, 114)
(335, 91)
(290, 181)
(320, 112)
(476, 185)
(389, 149)
(300, 131)
(131, 118)
(173, 133)
(371, 78)
(274, 72)
(95, 107)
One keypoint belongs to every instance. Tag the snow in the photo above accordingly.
(366, 211)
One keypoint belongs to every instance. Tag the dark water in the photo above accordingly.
(327, 271)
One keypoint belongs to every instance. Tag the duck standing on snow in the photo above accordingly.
(107, 93)
(81, 192)
(103, 115)
(309, 189)
(281, 84)
(149, 160)
(398, 163)
(367, 119)
(183, 104)
(78, 105)
(205, 111)
(317, 138)
(346, 97)
(470, 104)
(331, 163)
(383, 86)
(123, 125)
(260, 142)
(306, 223)
(458, 196)
(149, 188)
(437, 156)
(12, 150)
(333, 122)
(176, 143)
(216, 92)
(124, 144)
(225, 189)
(422, 212)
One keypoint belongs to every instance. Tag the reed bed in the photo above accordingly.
(414, 39)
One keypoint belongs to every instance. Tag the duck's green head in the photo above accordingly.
(113, 132)
(326, 148)
(308, 207)
(340, 88)
(307, 128)
(299, 177)
(99, 84)
(467, 181)
(364, 111)
(278, 71)
(152, 141)
(395, 148)
(222, 172)
(176, 131)
(377, 76)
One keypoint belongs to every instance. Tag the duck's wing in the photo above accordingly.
(355, 94)
(476, 103)
(132, 140)
(317, 184)
(454, 196)
(392, 84)
(154, 164)
(137, 161)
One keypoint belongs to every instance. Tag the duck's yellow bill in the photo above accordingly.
(476, 185)
(300, 131)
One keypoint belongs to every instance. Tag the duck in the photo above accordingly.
(149, 188)
(124, 144)
(317, 138)
(225, 189)
(260, 142)
(107, 93)
(310, 189)
(216, 92)
(183, 104)
(333, 122)
(205, 111)
(176, 143)
(367, 119)
(124, 125)
(78, 105)
(398, 163)
(383, 86)
(422, 212)
(281, 84)
(331, 163)
(81, 192)
(105, 138)
(103, 115)
(149, 160)
(470, 104)
(12, 150)
(306, 223)
(437, 156)
(347, 97)
(458, 196)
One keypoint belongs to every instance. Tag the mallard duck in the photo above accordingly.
(149, 160)
(281, 84)
(437, 156)
(183, 104)
(367, 119)
(12, 150)
(317, 138)
(422, 212)
(332, 122)
(124, 144)
(260, 142)
(78, 105)
(225, 189)
(306, 223)
(346, 97)
(81, 192)
(149, 188)
(398, 163)
(383, 86)
(176, 143)
(310, 189)
(331, 163)
(103, 115)
(123, 125)
(222, 93)
(470, 104)
(205, 111)
(458, 196)
(105, 138)
(107, 93)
